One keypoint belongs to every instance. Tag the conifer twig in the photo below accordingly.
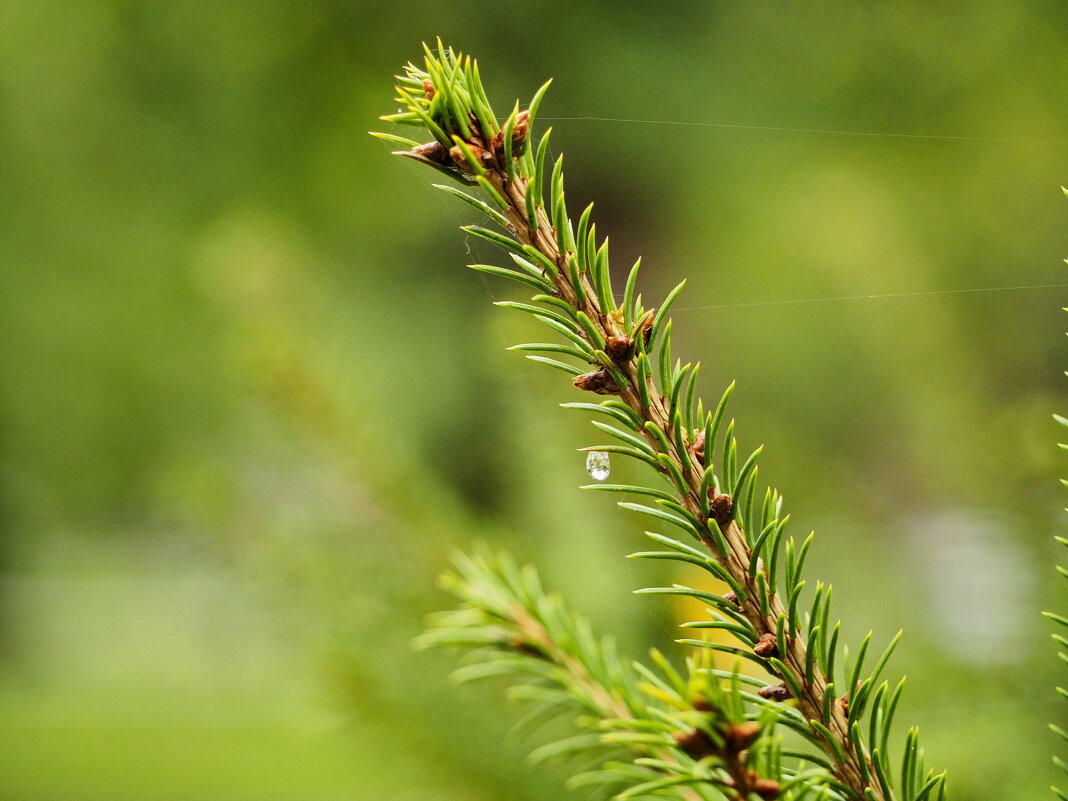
(1062, 624)
(654, 413)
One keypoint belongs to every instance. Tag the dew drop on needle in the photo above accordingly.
(597, 465)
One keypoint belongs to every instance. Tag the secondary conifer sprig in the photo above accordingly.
(652, 413)
(1061, 640)
(1061, 621)
(649, 731)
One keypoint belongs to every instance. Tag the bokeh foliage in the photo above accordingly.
(251, 397)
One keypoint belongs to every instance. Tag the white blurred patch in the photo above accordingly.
(978, 586)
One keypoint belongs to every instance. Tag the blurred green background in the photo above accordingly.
(251, 399)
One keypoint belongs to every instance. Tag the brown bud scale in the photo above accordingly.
(696, 743)
(525, 647)
(519, 138)
(702, 704)
(698, 447)
(647, 330)
(766, 647)
(741, 736)
(432, 151)
(481, 155)
(520, 130)
(776, 692)
(619, 349)
(720, 507)
(598, 381)
(767, 789)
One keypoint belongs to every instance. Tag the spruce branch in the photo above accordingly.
(680, 735)
(1061, 637)
(652, 412)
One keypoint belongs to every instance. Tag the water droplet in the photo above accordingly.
(597, 465)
